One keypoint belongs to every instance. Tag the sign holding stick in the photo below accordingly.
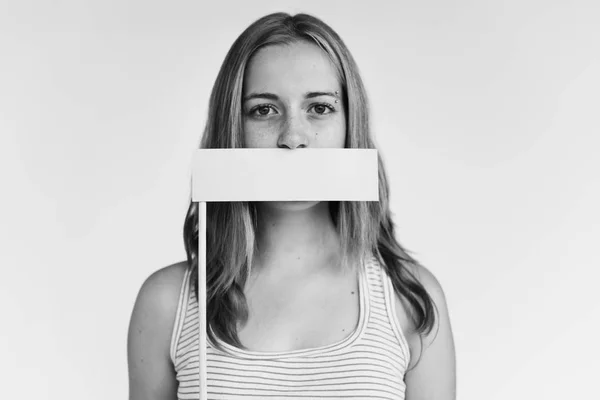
(228, 175)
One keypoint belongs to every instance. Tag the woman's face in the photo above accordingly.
(289, 99)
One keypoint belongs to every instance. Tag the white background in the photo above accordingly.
(486, 113)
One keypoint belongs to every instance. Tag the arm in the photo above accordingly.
(151, 372)
(434, 375)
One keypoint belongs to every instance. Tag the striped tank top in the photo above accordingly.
(368, 364)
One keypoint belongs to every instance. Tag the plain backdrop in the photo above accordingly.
(486, 114)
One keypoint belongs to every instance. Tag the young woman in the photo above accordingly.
(305, 300)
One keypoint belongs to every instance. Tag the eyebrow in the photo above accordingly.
(271, 96)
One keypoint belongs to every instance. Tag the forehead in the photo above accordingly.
(300, 66)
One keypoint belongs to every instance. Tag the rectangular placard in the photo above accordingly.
(285, 175)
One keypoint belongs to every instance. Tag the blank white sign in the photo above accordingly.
(285, 175)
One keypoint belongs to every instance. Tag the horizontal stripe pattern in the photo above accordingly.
(369, 364)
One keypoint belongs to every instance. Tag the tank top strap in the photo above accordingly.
(383, 324)
(180, 316)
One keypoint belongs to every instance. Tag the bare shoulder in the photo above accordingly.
(166, 281)
(432, 369)
(160, 291)
(151, 374)
(434, 288)
(156, 303)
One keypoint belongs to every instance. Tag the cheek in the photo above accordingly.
(332, 135)
(343, 132)
(258, 137)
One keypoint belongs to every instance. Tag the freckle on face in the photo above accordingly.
(289, 72)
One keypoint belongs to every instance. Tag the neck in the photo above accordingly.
(296, 239)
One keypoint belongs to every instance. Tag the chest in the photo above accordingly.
(301, 313)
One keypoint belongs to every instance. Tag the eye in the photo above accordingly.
(261, 110)
(323, 108)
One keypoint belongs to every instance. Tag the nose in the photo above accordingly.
(294, 133)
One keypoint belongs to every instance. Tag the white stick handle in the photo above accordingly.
(202, 297)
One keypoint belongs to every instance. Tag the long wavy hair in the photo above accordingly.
(365, 228)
